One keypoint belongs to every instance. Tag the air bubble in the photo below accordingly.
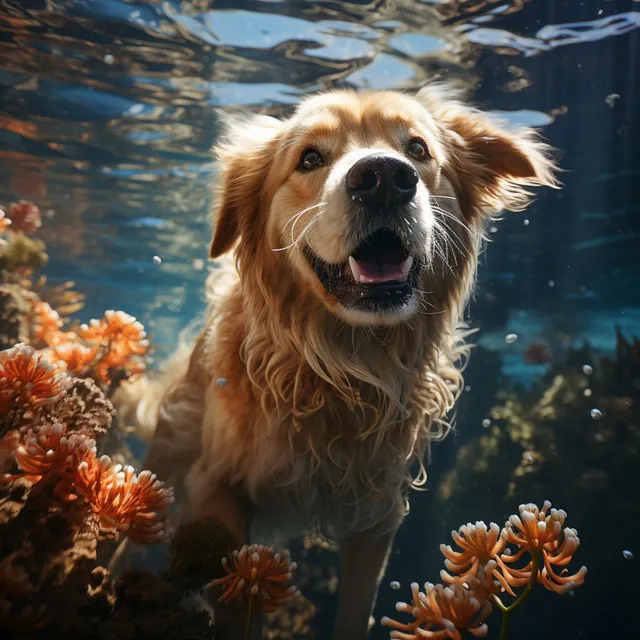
(156, 260)
(394, 584)
(596, 414)
(587, 392)
(627, 555)
(611, 99)
(222, 382)
(486, 423)
(551, 283)
(526, 223)
(510, 338)
(109, 59)
(587, 369)
(198, 264)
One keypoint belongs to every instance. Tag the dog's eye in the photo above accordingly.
(418, 149)
(310, 160)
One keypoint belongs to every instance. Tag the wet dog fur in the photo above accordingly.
(349, 236)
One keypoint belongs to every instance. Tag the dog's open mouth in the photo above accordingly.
(378, 276)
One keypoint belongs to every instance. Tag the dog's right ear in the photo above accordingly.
(243, 154)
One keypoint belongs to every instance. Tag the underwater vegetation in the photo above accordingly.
(574, 436)
(64, 506)
(68, 494)
(533, 548)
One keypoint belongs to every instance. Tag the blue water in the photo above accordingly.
(108, 113)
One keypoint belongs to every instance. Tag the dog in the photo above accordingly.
(350, 232)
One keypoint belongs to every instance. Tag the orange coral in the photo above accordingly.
(441, 612)
(122, 340)
(484, 583)
(118, 328)
(122, 501)
(478, 545)
(45, 324)
(74, 356)
(258, 572)
(483, 566)
(25, 216)
(50, 450)
(540, 531)
(29, 381)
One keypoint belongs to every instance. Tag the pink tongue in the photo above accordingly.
(375, 272)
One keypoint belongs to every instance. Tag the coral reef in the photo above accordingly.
(62, 505)
(59, 501)
(489, 563)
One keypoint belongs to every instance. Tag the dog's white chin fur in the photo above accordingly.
(391, 317)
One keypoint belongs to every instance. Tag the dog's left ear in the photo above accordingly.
(244, 153)
(494, 164)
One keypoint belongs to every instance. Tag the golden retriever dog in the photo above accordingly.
(327, 363)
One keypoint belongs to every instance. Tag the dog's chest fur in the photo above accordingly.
(337, 457)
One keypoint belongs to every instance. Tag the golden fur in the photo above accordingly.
(325, 410)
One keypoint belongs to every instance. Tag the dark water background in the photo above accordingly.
(107, 115)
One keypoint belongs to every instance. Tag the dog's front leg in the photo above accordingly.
(363, 560)
(206, 498)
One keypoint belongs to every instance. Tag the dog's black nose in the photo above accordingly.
(381, 179)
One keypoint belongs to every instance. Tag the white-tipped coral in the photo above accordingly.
(483, 566)
(120, 340)
(28, 381)
(259, 572)
(122, 501)
(542, 532)
(441, 612)
(478, 545)
(50, 450)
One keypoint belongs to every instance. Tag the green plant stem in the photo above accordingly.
(247, 629)
(507, 611)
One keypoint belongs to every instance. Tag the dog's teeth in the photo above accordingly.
(406, 266)
(355, 271)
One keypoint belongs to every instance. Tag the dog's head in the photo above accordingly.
(371, 204)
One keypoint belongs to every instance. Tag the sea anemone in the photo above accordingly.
(50, 451)
(478, 545)
(123, 502)
(119, 329)
(75, 356)
(441, 612)
(485, 583)
(25, 216)
(535, 528)
(483, 567)
(540, 532)
(28, 381)
(258, 572)
(122, 341)
(46, 324)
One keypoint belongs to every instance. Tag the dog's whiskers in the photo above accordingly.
(447, 197)
(295, 219)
